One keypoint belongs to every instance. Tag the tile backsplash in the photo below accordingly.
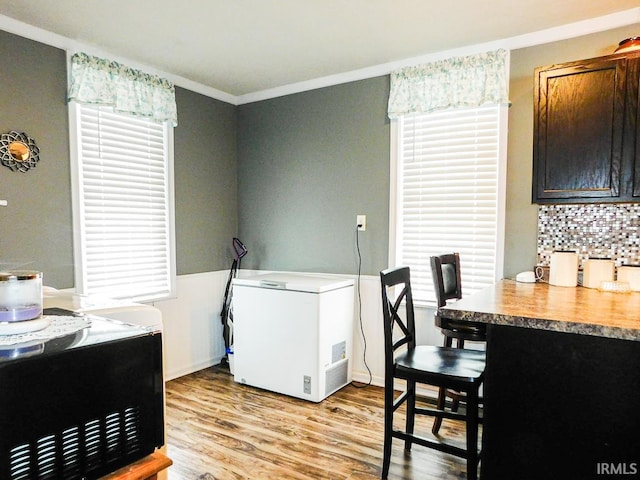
(592, 230)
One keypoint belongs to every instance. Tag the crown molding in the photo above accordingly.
(563, 32)
(585, 27)
(72, 46)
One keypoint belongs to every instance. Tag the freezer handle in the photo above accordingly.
(272, 284)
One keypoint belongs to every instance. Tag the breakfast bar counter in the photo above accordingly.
(585, 311)
(562, 384)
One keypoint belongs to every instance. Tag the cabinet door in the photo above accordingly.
(633, 75)
(578, 131)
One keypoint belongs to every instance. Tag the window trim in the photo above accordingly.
(78, 251)
(394, 201)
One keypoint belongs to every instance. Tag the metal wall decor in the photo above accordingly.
(18, 151)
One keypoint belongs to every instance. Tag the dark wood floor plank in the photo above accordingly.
(220, 430)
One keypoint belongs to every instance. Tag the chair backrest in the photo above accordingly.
(397, 311)
(445, 271)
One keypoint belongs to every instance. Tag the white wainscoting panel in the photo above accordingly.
(372, 325)
(193, 330)
(191, 323)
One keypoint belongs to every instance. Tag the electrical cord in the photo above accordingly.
(364, 338)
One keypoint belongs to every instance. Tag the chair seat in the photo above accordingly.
(441, 365)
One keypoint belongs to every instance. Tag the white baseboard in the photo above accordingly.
(170, 374)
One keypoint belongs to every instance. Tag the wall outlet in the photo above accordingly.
(361, 222)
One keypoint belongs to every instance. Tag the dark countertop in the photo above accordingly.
(578, 310)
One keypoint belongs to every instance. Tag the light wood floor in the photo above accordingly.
(220, 430)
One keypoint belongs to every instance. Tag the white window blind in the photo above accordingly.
(122, 205)
(448, 194)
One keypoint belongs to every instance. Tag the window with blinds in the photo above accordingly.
(123, 211)
(449, 195)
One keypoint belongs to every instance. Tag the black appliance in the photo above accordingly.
(81, 406)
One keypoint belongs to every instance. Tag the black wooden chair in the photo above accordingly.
(443, 367)
(445, 271)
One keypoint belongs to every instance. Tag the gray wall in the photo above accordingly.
(288, 174)
(307, 165)
(205, 183)
(36, 227)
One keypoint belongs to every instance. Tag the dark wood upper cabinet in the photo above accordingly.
(586, 122)
(634, 140)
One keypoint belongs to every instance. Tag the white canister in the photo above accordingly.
(563, 271)
(631, 275)
(596, 271)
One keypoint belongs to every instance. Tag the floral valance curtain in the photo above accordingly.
(456, 82)
(103, 82)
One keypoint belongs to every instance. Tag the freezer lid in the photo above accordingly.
(295, 282)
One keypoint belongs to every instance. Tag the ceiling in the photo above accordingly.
(240, 47)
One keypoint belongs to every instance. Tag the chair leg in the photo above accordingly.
(442, 395)
(455, 401)
(388, 429)
(437, 421)
(472, 434)
(411, 411)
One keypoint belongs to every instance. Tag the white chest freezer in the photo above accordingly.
(293, 333)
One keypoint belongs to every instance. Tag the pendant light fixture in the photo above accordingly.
(628, 44)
